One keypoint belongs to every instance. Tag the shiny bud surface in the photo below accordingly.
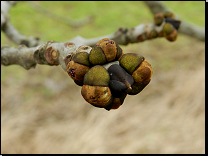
(143, 73)
(104, 51)
(77, 71)
(82, 58)
(78, 67)
(109, 48)
(98, 96)
(97, 57)
(130, 61)
(95, 89)
(120, 81)
(97, 76)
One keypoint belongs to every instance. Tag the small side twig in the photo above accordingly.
(186, 28)
(10, 31)
(124, 36)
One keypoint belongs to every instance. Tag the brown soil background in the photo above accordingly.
(42, 110)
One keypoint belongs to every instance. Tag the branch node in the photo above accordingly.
(51, 56)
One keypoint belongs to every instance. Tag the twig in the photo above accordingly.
(52, 53)
(10, 30)
(124, 36)
(185, 28)
(49, 53)
(22, 56)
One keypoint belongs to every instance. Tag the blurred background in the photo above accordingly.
(42, 110)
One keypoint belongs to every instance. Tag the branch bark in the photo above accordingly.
(186, 28)
(10, 31)
(22, 56)
(49, 53)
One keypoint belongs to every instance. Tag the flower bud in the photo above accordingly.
(78, 67)
(158, 18)
(116, 103)
(120, 81)
(95, 89)
(142, 76)
(169, 14)
(140, 70)
(153, 34)
(176, 23)
(169, 32)
(104, 51)
(130, 61)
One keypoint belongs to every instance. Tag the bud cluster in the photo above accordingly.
(108, 87)
(170, 27)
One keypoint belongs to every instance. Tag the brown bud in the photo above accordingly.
(169, 14)
(78, 67)
(116, 103)
(158, 18)
(68, 58)
(153, 34)
(77, 71)
(140, 70)
(173, 36)
(109, 48)
(142, 76)
(98, 96)
(104, 51)
(143, 73)
(142, 37)
(160, 34)
(119, 52)
(95, 89)
(169, 32)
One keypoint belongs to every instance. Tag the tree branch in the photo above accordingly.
(49, 53)
(22, 56)
(10, 30)
(185, 28)
(53, 53)
(124, 36)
